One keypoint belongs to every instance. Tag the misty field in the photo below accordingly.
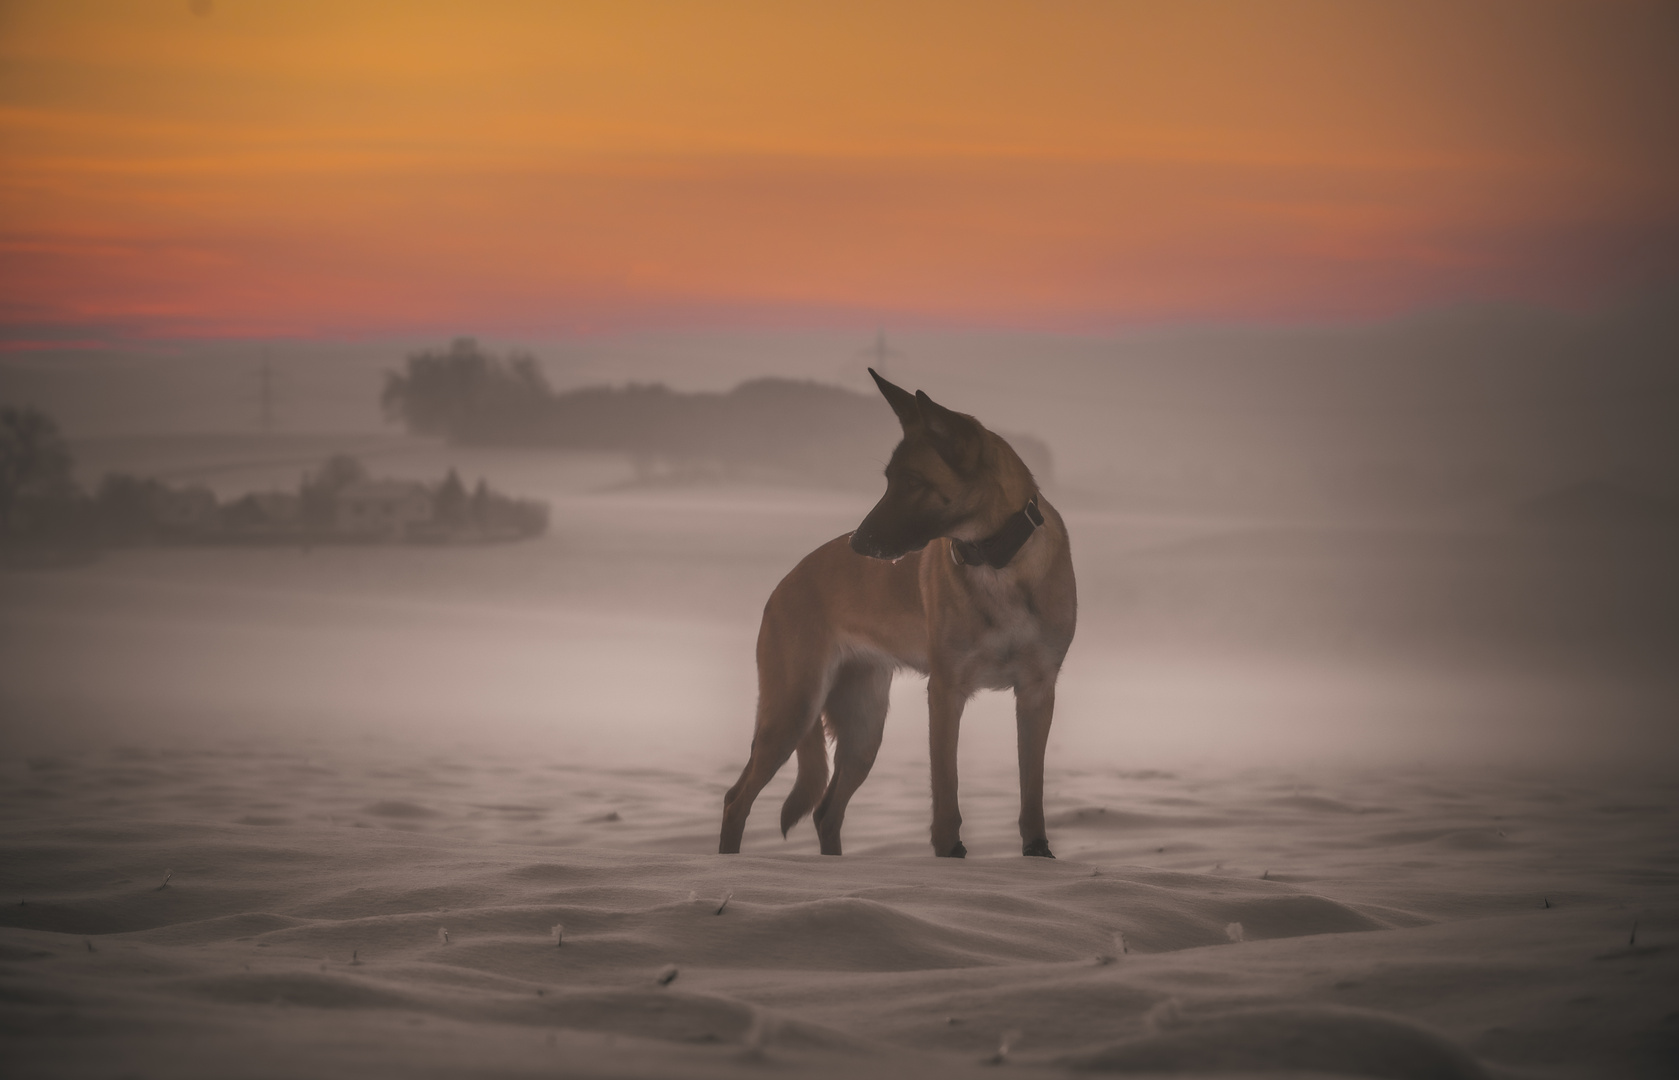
(407, 410)
(1338, 796)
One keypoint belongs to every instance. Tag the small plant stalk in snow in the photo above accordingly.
(1010, 1037)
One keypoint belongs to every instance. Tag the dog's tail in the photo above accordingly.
(813, 777)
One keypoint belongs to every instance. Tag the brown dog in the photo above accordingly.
(961, 571)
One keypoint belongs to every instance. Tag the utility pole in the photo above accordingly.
(880, 351)
(876, 354)
(265, 393)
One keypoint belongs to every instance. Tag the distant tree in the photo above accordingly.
(449, 504)
(468, 395)
(319, 491)
(480, 508)
(35, 463)
(339, 472)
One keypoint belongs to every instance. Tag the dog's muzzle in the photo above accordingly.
(874, 549)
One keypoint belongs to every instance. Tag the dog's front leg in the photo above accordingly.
(944, 713)
(1034, 709)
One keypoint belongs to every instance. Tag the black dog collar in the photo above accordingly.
(1001, 546)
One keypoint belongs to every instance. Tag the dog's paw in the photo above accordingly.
(1038, 848)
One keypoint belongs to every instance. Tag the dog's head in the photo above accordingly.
(932, 486)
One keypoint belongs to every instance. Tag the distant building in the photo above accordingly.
(389, 508)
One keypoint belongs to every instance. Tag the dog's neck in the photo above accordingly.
(1011, 514)
(1000, 548)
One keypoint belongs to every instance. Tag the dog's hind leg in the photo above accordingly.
(856, 709)
(786, 713)
(813, 778)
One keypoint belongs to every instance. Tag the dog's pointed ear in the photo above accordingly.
(901, 400)
(957, 438)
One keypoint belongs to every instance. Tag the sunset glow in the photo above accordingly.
(332, 169)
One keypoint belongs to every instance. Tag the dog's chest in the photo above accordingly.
(1002, 636)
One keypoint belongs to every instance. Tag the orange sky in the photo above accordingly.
(351, 169)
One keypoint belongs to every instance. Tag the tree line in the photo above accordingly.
(764, 428)
(43, 508)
